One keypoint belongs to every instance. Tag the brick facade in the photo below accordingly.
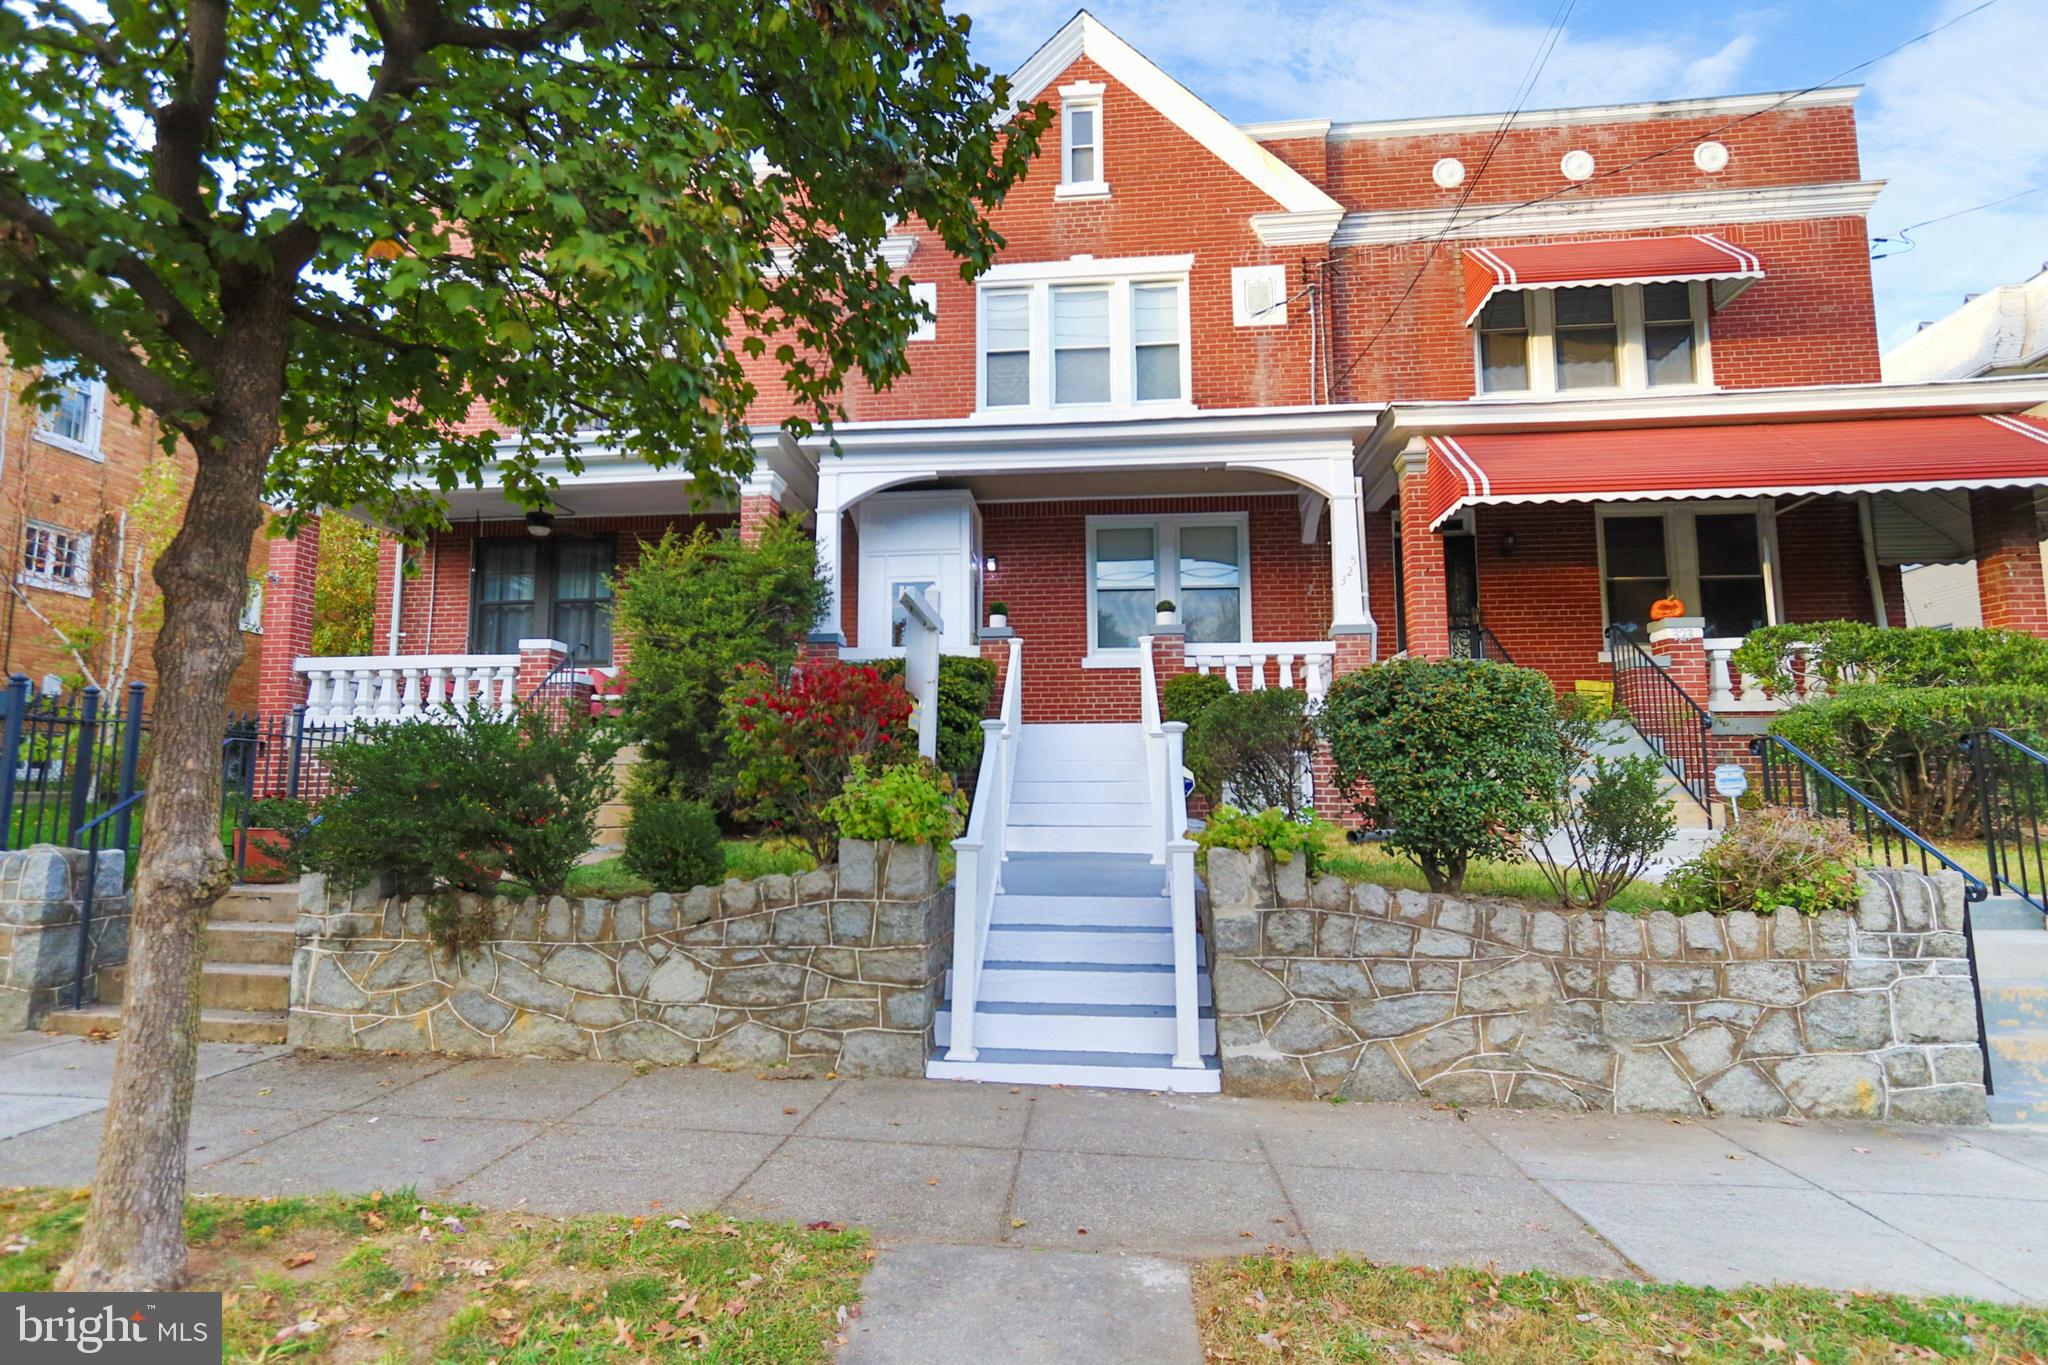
(2009, 580)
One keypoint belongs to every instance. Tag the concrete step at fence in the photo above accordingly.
(1071, 838)
(1079, 812)
(222, 985)
(250, 941)
(215, 1026)
(2014, 1004)
(1133, 791)
(1131, 912)
(1074, 1028)
(2024, 1048)
(2005, 913)
(2011, 956)
(262, 904)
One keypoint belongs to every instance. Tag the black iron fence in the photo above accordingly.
(2012, 794)
(1664, 713)
(1477, 642)
(65, 761)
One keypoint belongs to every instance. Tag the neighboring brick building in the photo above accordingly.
(67, 478)
(1336, 390)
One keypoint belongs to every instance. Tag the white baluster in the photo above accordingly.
(1720, 688)
(1230, 674)
(409, 698)
(362, 702)
(387, 694)
(1286, 671)
(316, 696)
(1257, 663)
(1752, 687)
(508, 688)
(435, 690)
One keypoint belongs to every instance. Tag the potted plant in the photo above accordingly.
(263, 849)
(1165, 613)
(998, 615)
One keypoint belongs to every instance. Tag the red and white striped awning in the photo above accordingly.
(1768, 459)
(1623, 260)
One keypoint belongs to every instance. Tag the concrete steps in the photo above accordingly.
(245, 983)
(2012, 983)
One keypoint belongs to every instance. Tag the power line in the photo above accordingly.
(1904, 232)
(1644, 160)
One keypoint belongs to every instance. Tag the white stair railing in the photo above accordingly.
(1180, 890)
(343, 691)
(1245, 667)
(1155, 749)
(979, 853)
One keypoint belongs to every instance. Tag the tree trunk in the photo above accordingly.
(134, 1235)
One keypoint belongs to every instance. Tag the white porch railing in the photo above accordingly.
(1728, 690)
(343, 691)
(1173, 848)
(1246, 667)
(979, 854)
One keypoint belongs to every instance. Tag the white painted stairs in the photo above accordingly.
(2012, 982)
(1077, 982)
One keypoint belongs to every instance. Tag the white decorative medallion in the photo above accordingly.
(1448, 173)
(1577, 164)
(1711, 157)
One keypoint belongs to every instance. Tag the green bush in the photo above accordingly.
(673, 843)
(1187, 695)
(1455, 760)
(1255, 745)
(1273, 830)
(698, 607)
(1903, 746)
(910, 803)
(436, 807)
(966, 686)
(1857, 652)
(1615, 818)
(1777, 857)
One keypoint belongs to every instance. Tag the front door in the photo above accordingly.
(1461, 596)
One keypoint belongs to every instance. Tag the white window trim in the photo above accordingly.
(926, 292)
(81, 552)
(1115, 275)
(1681, 550)
(1080, 97)
(1633, 370)
(1166, 585)
(95, 424)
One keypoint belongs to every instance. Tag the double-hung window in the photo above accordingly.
(1715, 558)
(1084, 334)
(54, 558)
(1081, 142)
(1199, 563)
(555, 589)
(73, 421)
(1593, 339)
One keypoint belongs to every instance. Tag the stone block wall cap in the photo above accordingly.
(542, 646)
(825, 637)
(1344, 628)
(1177, 629)
(996, 633)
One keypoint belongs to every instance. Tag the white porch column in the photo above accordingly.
(829, 629)
(1348, 604)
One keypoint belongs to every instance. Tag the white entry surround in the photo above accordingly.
(930, 540)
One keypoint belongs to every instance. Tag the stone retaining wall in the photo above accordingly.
(836, 969)
(1328, 989)
(42, 891)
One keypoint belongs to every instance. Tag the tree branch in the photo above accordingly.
(177, 321)
(39, 304)
(361, 330)
(184, 124)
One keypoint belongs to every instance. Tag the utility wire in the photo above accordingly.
(1643, 160)
(1903, 233)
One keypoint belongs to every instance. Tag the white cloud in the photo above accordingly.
(1955, 121)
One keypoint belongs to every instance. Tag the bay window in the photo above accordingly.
(1200, 563)
(1593, 339)
(554, 589)
(1084, 334)
(1715, 558)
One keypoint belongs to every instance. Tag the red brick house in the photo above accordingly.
(1452, 386)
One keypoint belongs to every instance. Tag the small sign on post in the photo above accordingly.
(1731, 780)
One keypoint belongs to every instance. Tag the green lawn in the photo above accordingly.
(1374, 862)
(390, 1279)
(1267, 1308)
(744, 858)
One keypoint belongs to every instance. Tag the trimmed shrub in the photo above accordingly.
(1857, 652)
(1611, 811)
(698, 607)
(674, 843)
(1274, 830)
(1454, 759)
(911, 803)
(1187, 695)
(1903, 746)
(790, 747)
(438, 807)
(1777, 857)
(966, 686)
(1255, 745)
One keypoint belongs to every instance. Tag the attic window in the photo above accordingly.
(1081, 142)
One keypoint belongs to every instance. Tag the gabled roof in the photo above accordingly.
(1307, 215)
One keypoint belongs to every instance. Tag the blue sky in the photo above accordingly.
(1951, 122)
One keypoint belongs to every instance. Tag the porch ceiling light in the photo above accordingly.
(540, 525)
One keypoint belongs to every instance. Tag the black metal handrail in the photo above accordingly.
(119, 812)
(2012, 789)
(1478, 642)
(1664, 713)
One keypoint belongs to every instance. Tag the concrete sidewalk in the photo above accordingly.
(1156, 1180)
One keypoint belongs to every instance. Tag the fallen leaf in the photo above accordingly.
(679, 1224)
(822, 1225)
(375, 1221)
(789, 1109)
(1018, 1222)
(736, 1306)
(1770, 1343)
(304, 1328)
(933, 1181)
(293, 1262)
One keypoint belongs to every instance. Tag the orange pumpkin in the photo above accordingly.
(1664, 608)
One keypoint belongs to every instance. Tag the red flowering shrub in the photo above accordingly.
(791, 745)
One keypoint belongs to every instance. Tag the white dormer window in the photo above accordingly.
(73, 423)
(1081, 142)
(1595, 339)
(1082, 334)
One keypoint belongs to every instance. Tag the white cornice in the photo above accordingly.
(1313, 228)
(897, 251)
(1726, 106)
(1085, 35)
(1286, 130)
(1615, 213)
(1086, 268)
